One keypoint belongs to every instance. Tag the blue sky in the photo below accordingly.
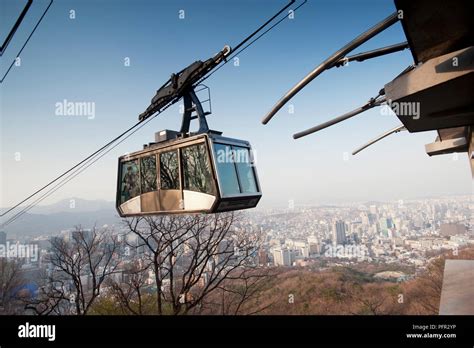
(82, 59)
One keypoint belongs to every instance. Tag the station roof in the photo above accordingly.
(425, 21)
(458, 284)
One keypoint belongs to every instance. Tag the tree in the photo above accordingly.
(192, 257)
(10, 280)
(241, 293)
(370, 298)
(132, 294)
(51, 297)
(81, 265)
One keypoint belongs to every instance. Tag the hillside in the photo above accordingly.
(348, 291)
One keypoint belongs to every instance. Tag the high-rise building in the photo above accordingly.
(339, 232)
(385, 224)
(3, 238)
(372, 218)
(304, 251)
(262, 257)
(314, 248)
(364, 218)
(225, 251)
(373, 209)
(281, 257)
(449, 229)
(82, 234)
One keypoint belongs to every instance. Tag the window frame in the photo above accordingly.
(178, 167)
(156, 172)
(120, 183)
(212, 178)
(252, 168)
(231, 145)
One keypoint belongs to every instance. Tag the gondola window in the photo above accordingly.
(169, 170)
(148, 173)
(226, 169)
(130, 180)
(245, 169)
(197, 169)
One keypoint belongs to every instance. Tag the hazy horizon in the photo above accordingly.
(279, 206)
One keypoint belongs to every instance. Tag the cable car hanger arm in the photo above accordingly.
(333, 59)
(380, 137)
(360, 57)
(373, 102)
(182, 82)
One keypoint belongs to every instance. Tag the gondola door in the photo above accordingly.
(170, 187)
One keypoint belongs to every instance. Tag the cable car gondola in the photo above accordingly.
(205, 173)
(205, 184)
(185, 172)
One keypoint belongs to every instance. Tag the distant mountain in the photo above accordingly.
(65, 214)
(73, 205)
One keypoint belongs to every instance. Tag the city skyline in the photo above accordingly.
(406, 233)
(293, 164)
(278, 205)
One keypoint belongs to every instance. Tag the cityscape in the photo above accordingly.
(406, 232)
(196, 170)
(406, 235)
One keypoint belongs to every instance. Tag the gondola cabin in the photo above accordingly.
(204, 173)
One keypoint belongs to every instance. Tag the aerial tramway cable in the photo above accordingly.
(78, 168)
(234, 54)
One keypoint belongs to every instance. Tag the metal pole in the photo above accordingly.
(338, 119)
(360, 57)
(379, 27)
(380, 137)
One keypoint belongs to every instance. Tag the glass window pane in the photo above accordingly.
(148, 173)
(244, 168)
(130, 186)
(226, 170)
(197, 169)
(169, 170)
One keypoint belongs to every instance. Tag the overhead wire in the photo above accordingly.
(28, 39)
(78, 168)
(234, 54)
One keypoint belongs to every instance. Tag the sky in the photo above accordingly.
(82, 60)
